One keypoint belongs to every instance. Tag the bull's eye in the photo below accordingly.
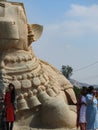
(2, 8)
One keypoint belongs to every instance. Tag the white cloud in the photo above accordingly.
(86, 16)
(72, 40)
(83, 11)
(79, 20)
(79, 26)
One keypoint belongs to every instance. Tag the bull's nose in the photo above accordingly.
(9, 30)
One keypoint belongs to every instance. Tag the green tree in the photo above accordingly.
(67, 71)
(77, 91)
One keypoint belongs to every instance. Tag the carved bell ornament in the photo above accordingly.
(21, 103)
(51, 92)
(56, 90)
(43, 96)
(32, 99)
(33, 102)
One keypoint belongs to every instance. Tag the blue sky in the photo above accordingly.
(70, 35)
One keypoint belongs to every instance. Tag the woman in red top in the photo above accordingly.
(9, 106)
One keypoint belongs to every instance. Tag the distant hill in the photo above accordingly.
(80, 85)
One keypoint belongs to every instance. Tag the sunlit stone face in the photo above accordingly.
(13, 26)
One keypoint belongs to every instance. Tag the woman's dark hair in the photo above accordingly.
(13, 93)
(90, 89)
(84, 90)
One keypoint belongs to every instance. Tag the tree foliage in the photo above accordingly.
(67, 71)
(77, 91)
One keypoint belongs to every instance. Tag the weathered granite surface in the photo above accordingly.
(45, 98)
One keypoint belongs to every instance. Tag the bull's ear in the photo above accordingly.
(34, 32)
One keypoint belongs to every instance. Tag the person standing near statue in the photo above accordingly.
(82, 111)
(9, 106)
(91, 111)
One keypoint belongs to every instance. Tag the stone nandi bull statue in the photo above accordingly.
(44, 96)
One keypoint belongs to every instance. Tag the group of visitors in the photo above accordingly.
(87, 109)
(8, 111)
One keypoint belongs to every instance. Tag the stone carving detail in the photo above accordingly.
(40, 87)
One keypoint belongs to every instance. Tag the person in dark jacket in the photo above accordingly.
(9, 106)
